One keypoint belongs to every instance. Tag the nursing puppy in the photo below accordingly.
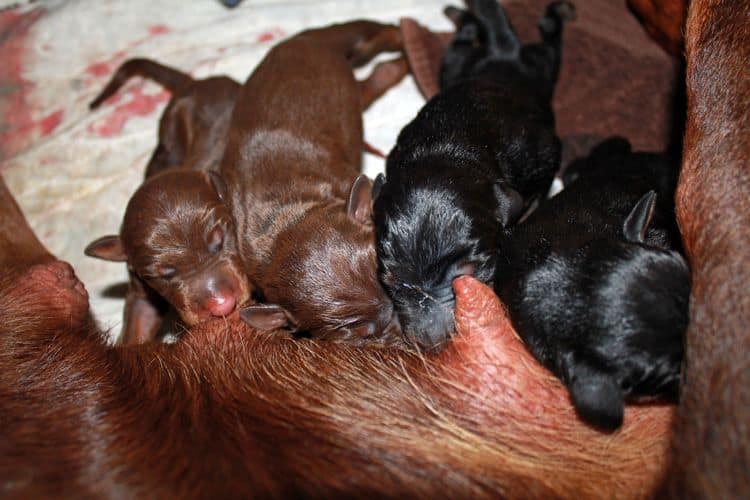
(303, 214)
(471, 162)
(595, 285)
(178, 236)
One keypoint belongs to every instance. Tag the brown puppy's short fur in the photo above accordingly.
(294, 155)
(177, 236)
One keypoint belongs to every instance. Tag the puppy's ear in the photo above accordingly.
(636, 223)
(359, 206)
(267, 317)
(509, 204)
(377, 186)
(459, 17)
(218, 184)
(107, 248)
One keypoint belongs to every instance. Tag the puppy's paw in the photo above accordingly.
(56, 291)
(565, 11)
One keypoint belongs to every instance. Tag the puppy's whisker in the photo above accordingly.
(421, 291)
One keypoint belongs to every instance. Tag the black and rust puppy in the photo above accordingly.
(471, 162)
(595, 284)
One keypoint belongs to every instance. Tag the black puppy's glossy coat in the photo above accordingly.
(595, 285)
(471, 161)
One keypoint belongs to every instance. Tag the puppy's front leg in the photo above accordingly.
(142, 316)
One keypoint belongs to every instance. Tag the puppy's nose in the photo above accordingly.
(221, 304)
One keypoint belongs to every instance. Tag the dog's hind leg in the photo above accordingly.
(500, 38)
(384, 76)
(543, 59)
(360, 41)
(465, 49)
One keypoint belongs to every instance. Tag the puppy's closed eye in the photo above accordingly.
(215, 240)
(167, 273)
(364, 329)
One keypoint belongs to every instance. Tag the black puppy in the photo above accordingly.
(472, 160)
(595, 285)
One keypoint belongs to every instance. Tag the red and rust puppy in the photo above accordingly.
(292, 164)
(230, 412)
(179, 241)
(194, 125)
(178, 235)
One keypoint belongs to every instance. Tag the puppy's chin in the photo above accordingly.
(429, 328)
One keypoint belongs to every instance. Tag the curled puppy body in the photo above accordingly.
(595, 285)
(476, 155)
(292, 164)
(194, 125)
(178, 236)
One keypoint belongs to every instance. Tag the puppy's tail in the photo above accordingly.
(170, 78)
(501, 40)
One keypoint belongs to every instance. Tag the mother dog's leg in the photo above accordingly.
(711, 454)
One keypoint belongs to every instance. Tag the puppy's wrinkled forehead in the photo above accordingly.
(172, 213)
(416, 230)
(326, 269)
(332, 252)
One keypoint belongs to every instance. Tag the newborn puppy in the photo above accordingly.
(471, 162)
(595, 285)
(303, 214)
(178, 236)
(194, 125)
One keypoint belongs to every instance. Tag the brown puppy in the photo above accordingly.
(178, 239)
(177, 235)
(293, 156)
(233, 413)
(193, 127)
(177, 221)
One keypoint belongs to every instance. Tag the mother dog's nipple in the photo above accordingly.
(221, 305)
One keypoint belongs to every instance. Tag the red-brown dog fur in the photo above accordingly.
(231, 412)
(178, 236)
(292, 164)
(711, 454)
(664, 21)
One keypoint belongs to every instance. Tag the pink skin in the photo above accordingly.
(221, 303)
(57, 284)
